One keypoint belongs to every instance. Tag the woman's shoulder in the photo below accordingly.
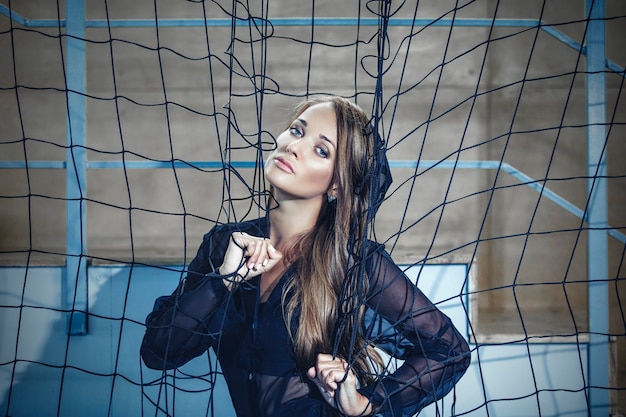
(374, 248)
(376, 256)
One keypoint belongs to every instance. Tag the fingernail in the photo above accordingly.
(265, 262)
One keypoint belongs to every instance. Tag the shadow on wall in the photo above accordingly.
(99, 373)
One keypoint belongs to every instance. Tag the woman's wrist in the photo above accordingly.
(369, 409)
(230, 278)
(366, 406)
(362, 407)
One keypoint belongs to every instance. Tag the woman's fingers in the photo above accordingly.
(274, 257)
(328, 373)
(338, 386)
(258, 253)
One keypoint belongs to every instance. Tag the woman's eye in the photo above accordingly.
(295, 131)
(321, 152)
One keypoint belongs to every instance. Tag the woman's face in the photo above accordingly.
(301, 166)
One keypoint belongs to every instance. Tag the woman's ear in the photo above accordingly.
(331, 194)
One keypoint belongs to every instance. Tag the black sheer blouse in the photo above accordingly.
(251, 340)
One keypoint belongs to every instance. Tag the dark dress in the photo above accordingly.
(252, 343)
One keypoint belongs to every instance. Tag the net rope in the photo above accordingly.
(485, 122)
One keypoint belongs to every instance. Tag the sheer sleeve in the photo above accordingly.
(405, 323)
(186, 323)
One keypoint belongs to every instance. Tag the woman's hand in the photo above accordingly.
(338, 385)
(258, 253)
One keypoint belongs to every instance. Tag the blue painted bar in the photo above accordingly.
(597, 213)
(514, 172)
(560, 36)
(616, 68)
(614, 233)
(32, 164)
(319, 21)
(215, 165)
(307, 21)
(76, 172)
(169, 164)
(293, 21)
(26, 22)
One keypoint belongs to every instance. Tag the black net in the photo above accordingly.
(128, 135)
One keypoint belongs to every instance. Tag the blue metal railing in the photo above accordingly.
(76, 169)
(425, 164)
(597, 212)
(305, 21)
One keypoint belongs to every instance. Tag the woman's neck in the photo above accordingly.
(290, 218)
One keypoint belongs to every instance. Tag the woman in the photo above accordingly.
(295, 302)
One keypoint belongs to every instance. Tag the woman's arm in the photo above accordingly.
(186, 323)
(193, 318)
(435, 354)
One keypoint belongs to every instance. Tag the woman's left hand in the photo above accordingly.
(338, 385)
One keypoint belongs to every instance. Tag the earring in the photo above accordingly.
(331, 198)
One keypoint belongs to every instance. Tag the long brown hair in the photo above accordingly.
(323, 310)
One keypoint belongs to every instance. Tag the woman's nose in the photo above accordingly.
(294, 147)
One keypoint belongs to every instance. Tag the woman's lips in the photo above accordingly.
(283, 164)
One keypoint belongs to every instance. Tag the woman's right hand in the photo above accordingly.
(248, 256)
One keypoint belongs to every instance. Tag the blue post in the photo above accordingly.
(76, 268)
(597, 218)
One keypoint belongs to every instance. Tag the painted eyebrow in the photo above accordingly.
(327, 140)
(305, 124)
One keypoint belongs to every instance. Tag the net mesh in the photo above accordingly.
(486, 115)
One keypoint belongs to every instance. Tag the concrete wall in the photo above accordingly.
(510, 94)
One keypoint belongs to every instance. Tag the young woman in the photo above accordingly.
(296, 304)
